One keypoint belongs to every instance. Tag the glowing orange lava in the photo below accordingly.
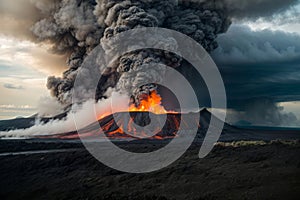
(151, 104)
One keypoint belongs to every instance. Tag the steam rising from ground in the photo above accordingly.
(84, 111)
(49, 106)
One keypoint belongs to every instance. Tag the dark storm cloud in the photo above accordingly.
(241, 45)
(250, 9)
(253, 9)
(291, 16)
(260, 69)
(259, 64)
(267, 112)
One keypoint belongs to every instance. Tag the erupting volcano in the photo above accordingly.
(149, 110)
(148, 121)
(149, 103)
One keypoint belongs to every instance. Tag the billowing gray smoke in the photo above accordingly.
(72, 29)
(75, 27)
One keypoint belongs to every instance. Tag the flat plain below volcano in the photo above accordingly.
(244, 164)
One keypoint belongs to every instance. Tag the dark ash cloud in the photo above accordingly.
(259, 64)
(77, 27)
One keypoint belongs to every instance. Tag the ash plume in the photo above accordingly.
(76, 27)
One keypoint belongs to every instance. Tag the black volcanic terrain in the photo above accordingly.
(237, 170)
(244, 164)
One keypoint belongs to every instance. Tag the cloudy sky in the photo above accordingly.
(22, 80)
(259, 59)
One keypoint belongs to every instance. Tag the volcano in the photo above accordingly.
(122, 128)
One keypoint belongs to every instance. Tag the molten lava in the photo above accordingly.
(148, 103)
(151, 103)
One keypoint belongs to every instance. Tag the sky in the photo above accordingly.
(259, 59)
(22, 80)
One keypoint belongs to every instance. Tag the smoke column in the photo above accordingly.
(75, 27)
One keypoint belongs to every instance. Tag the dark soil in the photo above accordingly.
(230, 171)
